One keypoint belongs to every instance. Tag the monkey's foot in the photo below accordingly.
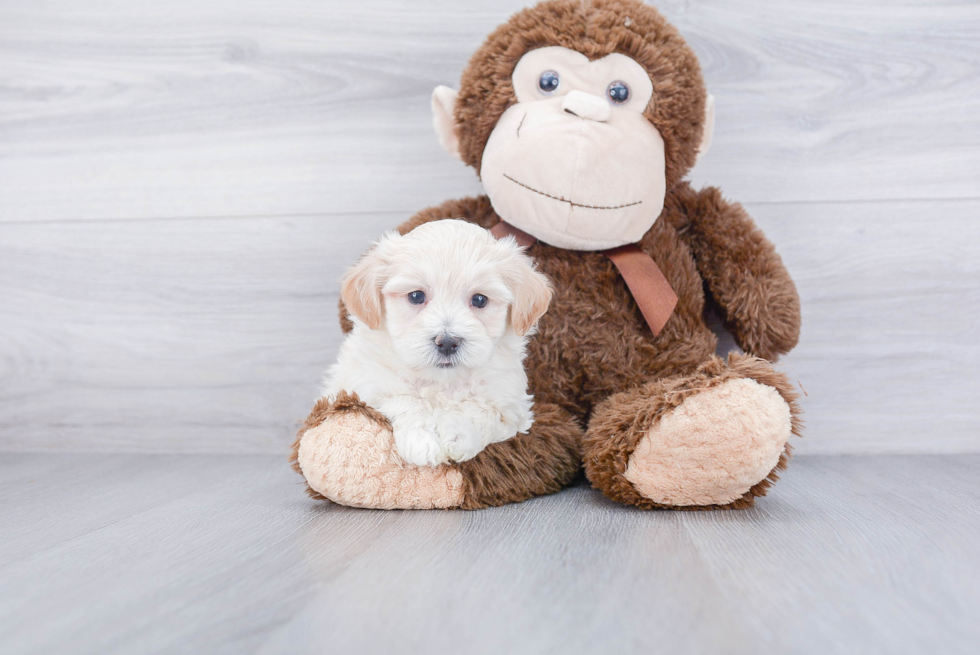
(347, 454)
(709, 440)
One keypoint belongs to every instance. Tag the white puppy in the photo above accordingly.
(441, 317)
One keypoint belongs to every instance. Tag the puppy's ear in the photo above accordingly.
(361, 288)
(532, 294)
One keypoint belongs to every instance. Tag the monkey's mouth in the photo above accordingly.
(570, 202)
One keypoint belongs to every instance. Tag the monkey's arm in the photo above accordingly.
(475, 210)
(743, 272)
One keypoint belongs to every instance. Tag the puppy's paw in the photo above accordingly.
(420, 446)
(461, 439)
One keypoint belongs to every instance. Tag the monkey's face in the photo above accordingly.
(579, 138)
(575, 162)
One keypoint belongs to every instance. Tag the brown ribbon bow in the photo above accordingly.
(645, 280)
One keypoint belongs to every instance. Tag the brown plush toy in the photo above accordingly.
(582, 118)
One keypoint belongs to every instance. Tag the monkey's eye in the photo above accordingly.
(548, 82)
(416, 297)
(479, 300)
(618, 92)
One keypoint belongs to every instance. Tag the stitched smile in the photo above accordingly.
(573, 204)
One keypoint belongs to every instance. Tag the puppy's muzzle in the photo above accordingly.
(447, 345)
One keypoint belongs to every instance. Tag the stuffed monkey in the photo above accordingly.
(582, 118)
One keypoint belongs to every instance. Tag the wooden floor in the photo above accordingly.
(225, 554)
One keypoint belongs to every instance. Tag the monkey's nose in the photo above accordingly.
(447, 345)
(586, 105)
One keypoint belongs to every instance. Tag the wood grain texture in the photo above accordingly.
(212, 335)
(225, 554)
(188, 109)
(889, 354)
(181, 185)
(194, 336)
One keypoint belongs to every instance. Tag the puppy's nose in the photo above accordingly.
(447, 345)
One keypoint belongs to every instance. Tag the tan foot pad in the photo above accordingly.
(712, 448)
(351, 459)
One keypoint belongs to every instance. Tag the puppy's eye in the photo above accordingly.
(618, 92)
(479, 300)
(548, 82)
(416, 297)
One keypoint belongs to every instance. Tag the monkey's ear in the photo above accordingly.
(443, 104)
(709, 127)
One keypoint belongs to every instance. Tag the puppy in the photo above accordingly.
(441, 318)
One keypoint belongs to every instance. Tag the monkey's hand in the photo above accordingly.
(744, 274)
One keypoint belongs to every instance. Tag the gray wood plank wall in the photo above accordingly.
(182, 184)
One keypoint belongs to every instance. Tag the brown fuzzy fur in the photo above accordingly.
(534, 464)
(745, 276)
(594, 355)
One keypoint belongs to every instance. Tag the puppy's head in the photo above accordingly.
(446, 293)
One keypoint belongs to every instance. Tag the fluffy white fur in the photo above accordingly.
(443, 407)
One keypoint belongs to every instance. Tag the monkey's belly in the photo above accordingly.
(588, 348)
